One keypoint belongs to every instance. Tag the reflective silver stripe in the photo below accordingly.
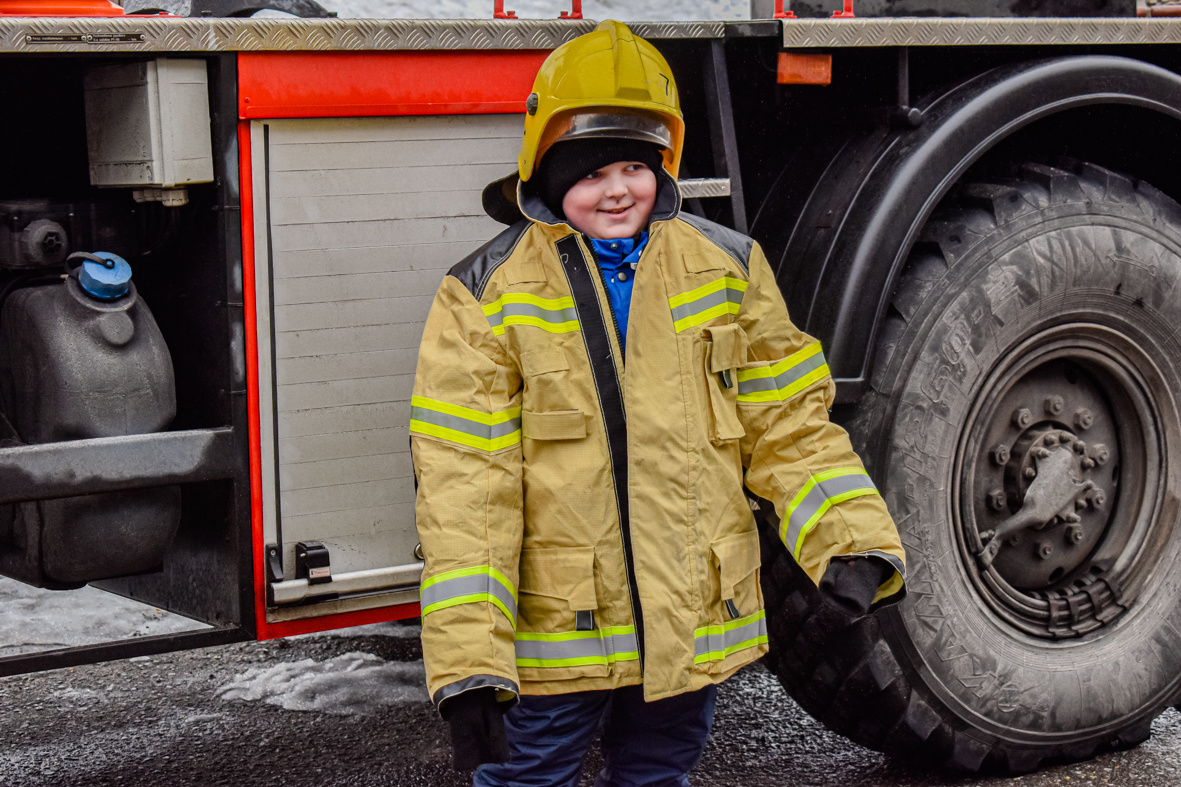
(556, 315)
(714, 643)
(478, 584)
(482, 431)
(463, 425)
(784, 379)
(528, 310)
(822, 492)
(576, 648)
(706, 302)
(469, 586)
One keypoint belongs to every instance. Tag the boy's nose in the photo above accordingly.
(615, 186)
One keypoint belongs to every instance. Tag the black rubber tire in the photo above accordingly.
(941, 677)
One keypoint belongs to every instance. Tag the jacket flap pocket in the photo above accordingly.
(737, 556)
(567, 573)
(728, 347)
(543, 362)
(557, 425)
(524, 272)
(701, 263)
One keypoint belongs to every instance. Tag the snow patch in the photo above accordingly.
(354, 684)
(33, 619)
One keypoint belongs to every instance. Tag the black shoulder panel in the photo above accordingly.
(475, 269)
(733, 243)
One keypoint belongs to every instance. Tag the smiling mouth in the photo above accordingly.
(617, 211)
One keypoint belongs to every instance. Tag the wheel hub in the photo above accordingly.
(1052, 479)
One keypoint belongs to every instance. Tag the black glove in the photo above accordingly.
(851, 583)
(477, 728)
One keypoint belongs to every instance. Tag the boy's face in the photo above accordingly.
(612, 202)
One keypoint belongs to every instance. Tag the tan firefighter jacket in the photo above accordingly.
(583, 513)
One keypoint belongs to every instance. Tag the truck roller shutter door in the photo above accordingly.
(357, 221)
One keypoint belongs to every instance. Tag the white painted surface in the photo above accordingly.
(366, 217)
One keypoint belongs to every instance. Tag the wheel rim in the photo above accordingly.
(1068, 417)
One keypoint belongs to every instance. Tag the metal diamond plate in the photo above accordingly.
(220, 35)
(704, 187)
(809, 33)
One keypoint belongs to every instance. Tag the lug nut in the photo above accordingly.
(1022, 418)
(1050, 438)
(1071, 518)
(1088, 463)
(1083, 418)
(1054, 404)
(996, 499)
(999, 454)
(1100, 453)
(1097, 498)
(1030, 473)
(1080, 447)
(1041, 453)
(1044, 550)
(1074, 534)
(1080, 503)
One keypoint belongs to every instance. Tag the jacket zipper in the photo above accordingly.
(629, 563)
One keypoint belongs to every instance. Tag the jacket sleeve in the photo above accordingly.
(794, 455)
(465, 433)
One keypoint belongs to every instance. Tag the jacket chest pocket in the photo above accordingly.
(558, 637)
(547, 379)
(724, 352)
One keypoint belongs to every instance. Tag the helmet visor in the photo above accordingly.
(620, 125)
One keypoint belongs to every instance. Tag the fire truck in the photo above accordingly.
(220, 234)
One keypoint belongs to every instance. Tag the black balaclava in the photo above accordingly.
(566, 163)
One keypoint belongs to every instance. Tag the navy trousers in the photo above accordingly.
(654, 744)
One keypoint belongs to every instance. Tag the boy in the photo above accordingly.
(596, 390)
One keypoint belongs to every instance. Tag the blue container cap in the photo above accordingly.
(105, 280)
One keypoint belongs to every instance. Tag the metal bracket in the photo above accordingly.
(723, 138)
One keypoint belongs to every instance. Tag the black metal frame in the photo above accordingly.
(855, 231)
(210, 461)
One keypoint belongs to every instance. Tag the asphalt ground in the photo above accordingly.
(197, 718)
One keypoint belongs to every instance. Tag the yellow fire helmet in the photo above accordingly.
(607, 83)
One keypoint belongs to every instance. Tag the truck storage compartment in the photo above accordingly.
(122, 426)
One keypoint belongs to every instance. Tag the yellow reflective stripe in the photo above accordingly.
(818, 495)
(783, 379)
(551, 304)
(469, 599)
(455, 436)
(716, 642)
(471, 572)
(555, 315)
(489, 419)
(463, 425)
(468, 586)
(536, 322)
(577, 648)
(704, 303)
(723, 283)
(779, 367)
(729, 307)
